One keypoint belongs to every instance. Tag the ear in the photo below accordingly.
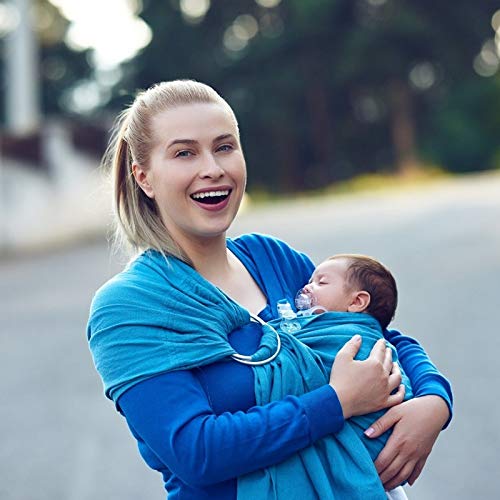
(360, 301)
(141, 177)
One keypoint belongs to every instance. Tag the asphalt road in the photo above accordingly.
(62, 440)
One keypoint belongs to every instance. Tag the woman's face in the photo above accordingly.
(197, 172)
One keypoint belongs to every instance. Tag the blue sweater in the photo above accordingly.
(201, 428)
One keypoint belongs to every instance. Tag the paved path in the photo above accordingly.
(61, 440)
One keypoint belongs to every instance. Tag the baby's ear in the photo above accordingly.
(360, 301)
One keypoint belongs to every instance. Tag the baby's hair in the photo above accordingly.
(366, 273)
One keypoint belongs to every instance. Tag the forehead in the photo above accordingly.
(335, 266)
(193, 121)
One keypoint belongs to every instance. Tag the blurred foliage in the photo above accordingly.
(464, 128)
(60, 67)
(330, 89)
(324, 89)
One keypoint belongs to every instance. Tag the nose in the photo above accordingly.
(307, 288)
(211, 169)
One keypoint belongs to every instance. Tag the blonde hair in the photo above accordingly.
(138, 224)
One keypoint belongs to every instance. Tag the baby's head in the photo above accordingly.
(354, 283)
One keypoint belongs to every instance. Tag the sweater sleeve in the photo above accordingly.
(172, 415)
(424, 376)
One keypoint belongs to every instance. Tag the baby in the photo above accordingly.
(355, 294)
(352, 283)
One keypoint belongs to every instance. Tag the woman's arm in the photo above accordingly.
(416, 423)
(424, 376)
(172, 415)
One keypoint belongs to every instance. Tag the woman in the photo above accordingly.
(171, 335)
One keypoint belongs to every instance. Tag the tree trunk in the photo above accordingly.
(403, 128)
(287, 166)
(317, 100)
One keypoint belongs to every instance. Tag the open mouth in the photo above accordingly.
(211, 197)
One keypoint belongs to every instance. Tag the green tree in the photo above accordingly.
(327, 89)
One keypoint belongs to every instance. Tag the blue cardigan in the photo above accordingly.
(206, 426)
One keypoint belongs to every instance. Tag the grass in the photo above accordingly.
(361, 184)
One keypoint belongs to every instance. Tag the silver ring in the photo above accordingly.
(247, 360)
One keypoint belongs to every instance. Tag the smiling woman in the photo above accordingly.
(195, 152)
(169, 332)
(181, 144)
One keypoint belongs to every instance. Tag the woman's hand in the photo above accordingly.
(366, 386)
(417, 424)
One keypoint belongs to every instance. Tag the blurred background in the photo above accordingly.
(369, 126)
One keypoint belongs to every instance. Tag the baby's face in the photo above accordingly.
(328, 287)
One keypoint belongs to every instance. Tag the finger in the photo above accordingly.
(395, 377)
(388, 365)
(389, 452)
(378, 350)
(389, 473)
(384, 423)
(388, 467)
(351, 347)
(397, 397)
(400, 477)
(416, 471)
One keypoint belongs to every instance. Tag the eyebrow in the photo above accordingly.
(192, 141)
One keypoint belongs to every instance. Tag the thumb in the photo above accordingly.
(384, 423)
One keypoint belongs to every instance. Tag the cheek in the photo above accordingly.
(239, 168)
(173, 182)
(319, 293)
(327, 298)
(244, 167)
(244, 175)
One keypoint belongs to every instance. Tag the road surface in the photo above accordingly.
(62, 440)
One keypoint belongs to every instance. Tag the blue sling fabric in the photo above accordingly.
(348, 455)
(326, 333)
(164, 316)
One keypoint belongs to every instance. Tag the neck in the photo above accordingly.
(209, 256)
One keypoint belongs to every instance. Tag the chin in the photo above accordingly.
(217, 228)
(209, 232)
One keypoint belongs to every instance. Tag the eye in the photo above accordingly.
(183, 153)
(225, 147)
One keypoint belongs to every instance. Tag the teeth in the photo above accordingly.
(211, 194)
